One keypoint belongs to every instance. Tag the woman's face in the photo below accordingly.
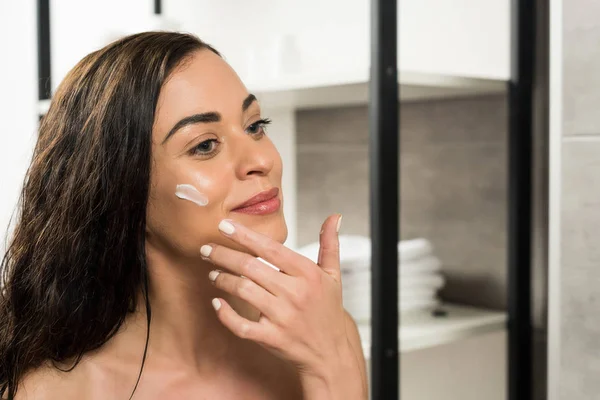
(222, 156)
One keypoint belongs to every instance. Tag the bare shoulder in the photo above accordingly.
(47, 383)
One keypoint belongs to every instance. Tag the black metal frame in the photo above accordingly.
(384, 194)
(43, 43)
(520, 199)
(157, 7)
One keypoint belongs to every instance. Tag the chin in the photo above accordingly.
(284, 234)
(274, 228)
(277, 230)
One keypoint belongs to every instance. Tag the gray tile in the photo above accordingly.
(346, 125)
(580, 261)
(465, 120)
(581, 81)
(456, 197)
(580, 14)
(330, 182)
(468, 120)
(454, 182)
(453, 192)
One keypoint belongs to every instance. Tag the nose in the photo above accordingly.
(253, 157)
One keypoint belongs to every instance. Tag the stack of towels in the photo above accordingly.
(419, 274)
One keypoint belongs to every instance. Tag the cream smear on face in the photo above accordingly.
(189, 192)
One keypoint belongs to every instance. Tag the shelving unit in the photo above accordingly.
(286, 94)
(422, 329)
(319, 91)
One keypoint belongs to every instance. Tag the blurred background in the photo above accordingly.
(308, 63)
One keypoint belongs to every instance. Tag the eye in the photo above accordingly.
(259, 127)
(205, 148)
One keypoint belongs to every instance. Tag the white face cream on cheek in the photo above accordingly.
(189, 192)
(203, 182)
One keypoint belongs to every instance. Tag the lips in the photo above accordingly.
(259, 198)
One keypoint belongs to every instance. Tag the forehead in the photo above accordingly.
(203, 83)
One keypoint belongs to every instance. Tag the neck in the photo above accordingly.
(184, 329)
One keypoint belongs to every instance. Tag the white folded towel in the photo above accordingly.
(419, 266)
(434, 281)
(413, 249)
(355, 250)
(362, 312)
(408, 294)
(366, 305)
(418, 294)
(362, 279)
(411, 285)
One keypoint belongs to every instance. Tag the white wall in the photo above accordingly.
(461, 37)
(18, 98)
(78, 27)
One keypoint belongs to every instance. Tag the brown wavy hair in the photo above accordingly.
(76, 264)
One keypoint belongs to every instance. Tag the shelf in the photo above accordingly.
(320, 91)
(421, 330)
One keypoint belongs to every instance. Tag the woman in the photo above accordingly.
(133, 269)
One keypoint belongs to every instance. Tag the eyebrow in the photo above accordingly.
(207, 117)
(248, 101)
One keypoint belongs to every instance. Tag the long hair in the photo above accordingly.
(76, 264)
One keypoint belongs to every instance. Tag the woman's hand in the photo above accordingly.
(302, 316)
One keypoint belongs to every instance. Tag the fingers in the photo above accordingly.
(329, 250)
(245, 289)
(248, 266)
(266, 248)
(240, 326)
(262, 332)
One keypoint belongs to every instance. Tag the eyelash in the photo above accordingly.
(261, 124)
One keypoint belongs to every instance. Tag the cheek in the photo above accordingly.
(185, 208)
(210, 187)
(198, 198)
(277, 163)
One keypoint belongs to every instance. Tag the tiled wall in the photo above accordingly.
(580, 219)
(453, 185)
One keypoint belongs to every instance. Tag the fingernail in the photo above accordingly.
(216, 303)
(339, 223)
(226, 227)
(206, 250)
(213, 275)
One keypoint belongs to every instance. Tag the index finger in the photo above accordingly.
(269, 250)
